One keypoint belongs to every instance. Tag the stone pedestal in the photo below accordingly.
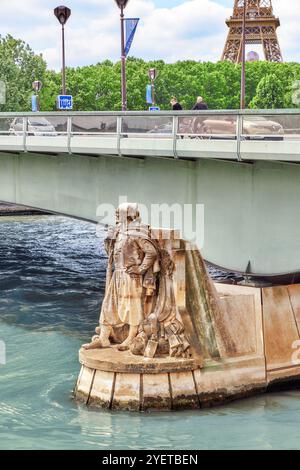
(261, 348)
(120, 381)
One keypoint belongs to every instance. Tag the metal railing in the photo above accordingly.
(179, 128)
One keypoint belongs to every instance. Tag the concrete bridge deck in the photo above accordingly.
(230, 135)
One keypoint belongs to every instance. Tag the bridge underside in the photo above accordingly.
(251, 210)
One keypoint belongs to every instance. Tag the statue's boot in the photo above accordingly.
(112, 334)
(98, 330)
(102, 341)
(133, 331)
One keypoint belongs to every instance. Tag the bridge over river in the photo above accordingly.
(242, 166)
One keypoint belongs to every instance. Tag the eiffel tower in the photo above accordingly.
(261, 26)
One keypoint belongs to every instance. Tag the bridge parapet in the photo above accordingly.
(234, 135)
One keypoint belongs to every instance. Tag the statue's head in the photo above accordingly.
(127, 213)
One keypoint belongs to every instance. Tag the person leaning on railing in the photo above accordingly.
(175, 105)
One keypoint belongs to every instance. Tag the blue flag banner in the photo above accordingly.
(149, 94)
(34, 103)
(131, 25)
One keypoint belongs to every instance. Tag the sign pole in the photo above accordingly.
(63, 13)
(153, 76)
(123, 62)
(63, 60)
(153, 92)
(37, 86)
(243, 75)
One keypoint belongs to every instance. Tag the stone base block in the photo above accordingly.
(261, 349)
(158, 385)
(167, 391)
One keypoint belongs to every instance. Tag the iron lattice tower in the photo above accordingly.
(261, 26)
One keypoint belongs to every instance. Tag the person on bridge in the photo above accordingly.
(200, 104)
(175, 105)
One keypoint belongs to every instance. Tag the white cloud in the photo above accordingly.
(288, 33)
(194, 29)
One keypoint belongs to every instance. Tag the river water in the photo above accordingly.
(52, 272)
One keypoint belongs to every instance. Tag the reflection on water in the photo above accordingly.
(52, 280)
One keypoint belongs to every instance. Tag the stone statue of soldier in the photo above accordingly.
(139, 292)
(131, 285)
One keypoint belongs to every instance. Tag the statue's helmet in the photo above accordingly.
(127, 211)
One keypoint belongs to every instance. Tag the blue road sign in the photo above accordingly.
(65, 102)
(154, 108)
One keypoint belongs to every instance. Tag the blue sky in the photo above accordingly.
(169, 29)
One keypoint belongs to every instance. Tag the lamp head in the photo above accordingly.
(122, 3)
(62, 13)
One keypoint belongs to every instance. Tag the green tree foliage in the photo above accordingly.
(270, 93)
(97, 87)
(19, 67)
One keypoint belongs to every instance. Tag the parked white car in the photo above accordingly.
(36, 126)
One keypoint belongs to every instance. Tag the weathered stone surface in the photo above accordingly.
(102, 391)
(218, 383)
(78, 379)
(179, 278)
(203, 306)
(156, 392)
(184, 394)
(112, 360)
(84, 384)
(294, 294)
(282, 376)
(127, 393)
(240, 323)
(280, 327)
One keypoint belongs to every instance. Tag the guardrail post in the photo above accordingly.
(239, 131)
(175, 131)
(69, 134)
(25, 120)
(119, 131)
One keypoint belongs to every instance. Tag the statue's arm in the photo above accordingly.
(150, 255)
(108, 240)
(107, 245)
(149, 258)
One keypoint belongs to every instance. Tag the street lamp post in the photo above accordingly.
(37, 86)
(153, 76)
(122, 5)
(63, 13)
(243, 76)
